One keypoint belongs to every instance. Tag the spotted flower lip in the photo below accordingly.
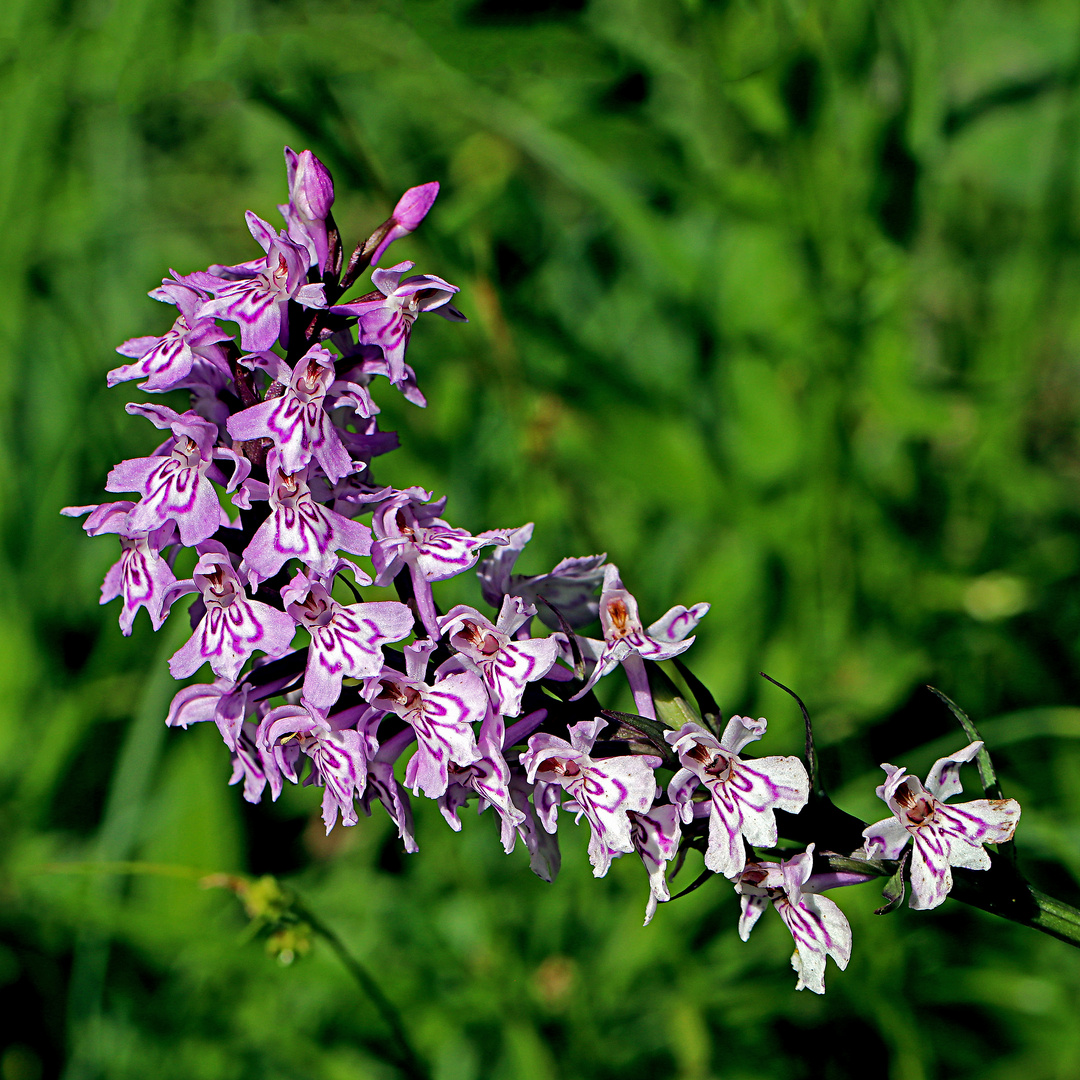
(818, 926)
(345, 641)
(743, 795)
(140, 576)
(442, 716)
(604, 790)
(944, 835)
(408, 529)
(177, 483)
(505, 665)
(339, 747)
(409, 532)
(297, 421)
(233, 627)
(165, 362)
(298, 527)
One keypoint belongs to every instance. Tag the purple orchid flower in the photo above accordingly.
(488, 777)
(345, 641)
(300, 528)
(411, 209)
(227, 703)
(179, 485)
(255, 766)
(385, 317)
(628, 643)
(369, 361)
(570, 587)
(384, 786)
(655, 836)
(297, 420)
(816, 923)
(542, 842)
(441, 715)
(506, 666)
(233, 626)
(603, 789)
(311, 194)
(339, 748)
(256, 295)
(944, 835)
(140, 575)
(743, 794)
(166, 361)
(408, 531)
(222, 701)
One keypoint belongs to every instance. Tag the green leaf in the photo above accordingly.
(987, 775)
(893, 892)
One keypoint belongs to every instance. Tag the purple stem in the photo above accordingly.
(638, 678)
(425, 602)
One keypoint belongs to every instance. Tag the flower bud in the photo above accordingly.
(311, 188)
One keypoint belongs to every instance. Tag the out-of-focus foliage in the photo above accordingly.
(776, 301)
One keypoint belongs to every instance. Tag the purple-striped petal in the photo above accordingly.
(655, 836)
(350, 644)
(743, 794)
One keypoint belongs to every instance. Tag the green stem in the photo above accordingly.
(1002, 892)
(409, 1061)
(406, 1057)
(1055, 918)
(998, 891)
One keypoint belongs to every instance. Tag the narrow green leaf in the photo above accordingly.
(653, 732)
(671, 707)
(987, 775)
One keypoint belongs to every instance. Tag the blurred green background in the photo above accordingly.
(777, 303)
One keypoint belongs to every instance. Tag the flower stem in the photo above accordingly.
(1001, 891)
(634, 667)
(1056, 918)
(408, 1059)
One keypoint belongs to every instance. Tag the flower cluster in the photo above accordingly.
(268, 480)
